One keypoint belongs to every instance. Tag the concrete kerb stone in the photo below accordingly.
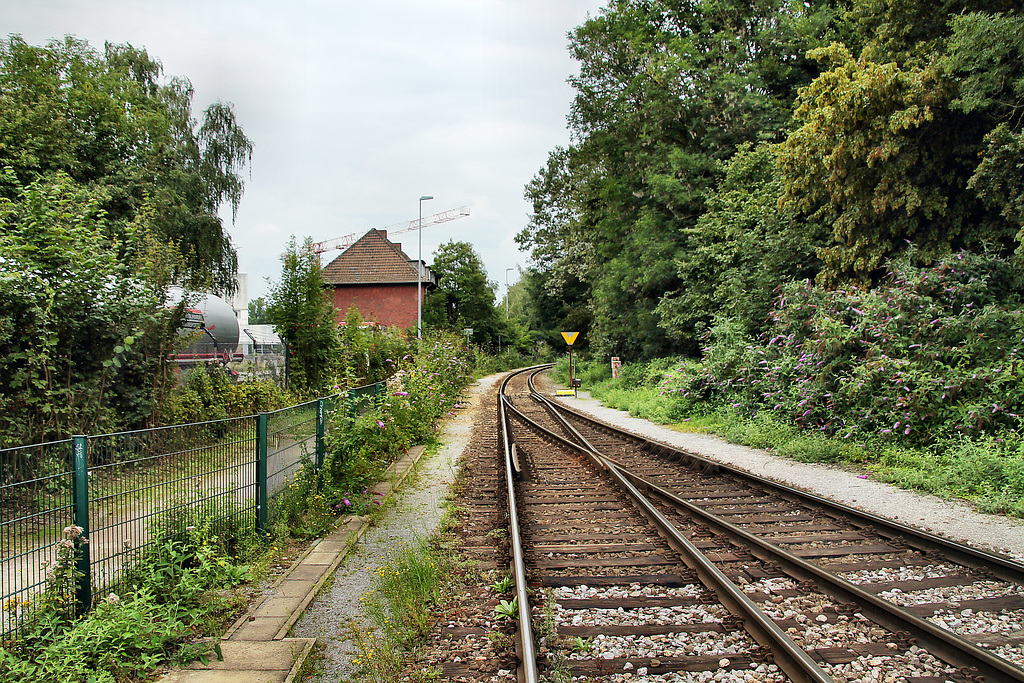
(313, 568)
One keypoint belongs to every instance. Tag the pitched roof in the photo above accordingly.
(372, 259)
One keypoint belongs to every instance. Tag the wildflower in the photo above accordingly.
(346, 502)
(380, 424)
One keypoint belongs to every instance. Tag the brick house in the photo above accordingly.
(379, 278)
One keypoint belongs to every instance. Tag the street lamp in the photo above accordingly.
(506, 291)
(419, 272)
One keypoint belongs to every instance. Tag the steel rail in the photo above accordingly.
(946, 645)
(943, 643)
(528, 672)
(1000, 566)
(787, 655)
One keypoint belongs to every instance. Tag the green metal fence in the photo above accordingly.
(134, 490)
(36, 504)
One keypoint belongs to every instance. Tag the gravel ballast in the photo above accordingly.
(417, 511)
(953, 519)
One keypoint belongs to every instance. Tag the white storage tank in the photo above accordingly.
(212, 322)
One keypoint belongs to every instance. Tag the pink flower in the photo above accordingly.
(380, 424)
(345, 501)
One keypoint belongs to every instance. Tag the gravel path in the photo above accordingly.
(413, 515)
(952, 519)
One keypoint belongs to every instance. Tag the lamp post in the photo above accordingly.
(506, 291)
(419, 272)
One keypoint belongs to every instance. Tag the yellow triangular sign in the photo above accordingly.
(570, 337)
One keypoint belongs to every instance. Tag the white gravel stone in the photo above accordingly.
(953, 519)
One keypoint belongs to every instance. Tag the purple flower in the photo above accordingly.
(346, 502)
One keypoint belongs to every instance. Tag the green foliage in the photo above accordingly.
(488, 365)
(931, 353)
(409, 585)
(302, 509)
(666, 93)
(426, 387)
(508, 609)
(723, 149)
(880, 156)
(302, 312)
(75, 322)
(986, 52)
(258, 311)
(741, 248)
(111, 124)
(370, 353)
(109, 193)
(464, 298)
(175, 595)
(208, 393)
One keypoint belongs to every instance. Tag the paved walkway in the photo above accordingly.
(257, 648)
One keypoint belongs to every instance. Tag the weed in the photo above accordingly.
(501, 640)
(502, 585)
(407, 587)
(508, 609)
(581, 645)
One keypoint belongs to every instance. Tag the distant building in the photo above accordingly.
(260, 339)
(239, 301)
(379, 279)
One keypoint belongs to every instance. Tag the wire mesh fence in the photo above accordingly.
(35, 506)
(147, 486)
(134, 490)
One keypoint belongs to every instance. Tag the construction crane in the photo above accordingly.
(405, 226)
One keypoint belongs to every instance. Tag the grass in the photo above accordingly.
(408, 588)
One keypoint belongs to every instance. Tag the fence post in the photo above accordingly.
(80, 502)
(261, 475)
(320, 433)
(376, 394)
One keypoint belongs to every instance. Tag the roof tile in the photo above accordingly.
(372, 259)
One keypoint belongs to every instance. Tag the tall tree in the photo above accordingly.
(111, 124)
(666, 93)
(464, 297)
(84, 334)
(742, 248)
(258, 311)
(888, 144)
(301, 310)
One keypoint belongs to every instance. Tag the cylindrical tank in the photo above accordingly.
(215, 322)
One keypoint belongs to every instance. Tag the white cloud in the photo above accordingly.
(357, 108)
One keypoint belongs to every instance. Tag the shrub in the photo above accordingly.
(425, 387)
(208, 393)
(931, 353)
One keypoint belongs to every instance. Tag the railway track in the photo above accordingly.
(643, 561)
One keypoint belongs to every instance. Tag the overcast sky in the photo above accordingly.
(356, 108)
